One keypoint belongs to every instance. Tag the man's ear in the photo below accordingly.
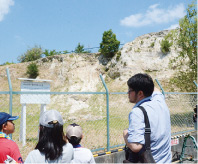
(4, 127)
(141, 94)
(82, 136)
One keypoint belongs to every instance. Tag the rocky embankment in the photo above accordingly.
(80, 72)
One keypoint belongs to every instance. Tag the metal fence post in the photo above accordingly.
(195, 83)
(107, 102)
(160, 86)
(10, 92)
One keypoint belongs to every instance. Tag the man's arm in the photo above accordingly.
(135, 147)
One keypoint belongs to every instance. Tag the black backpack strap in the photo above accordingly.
(147, 129)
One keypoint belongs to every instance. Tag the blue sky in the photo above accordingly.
(62, 24)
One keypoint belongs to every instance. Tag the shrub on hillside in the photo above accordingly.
(165, 46)
(118, 55)
(31, 55)
(32, 70)
(50, 52)
(7, 63)
(152, 44)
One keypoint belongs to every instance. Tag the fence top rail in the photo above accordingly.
(183, 132)
(182, 93)
(113, 93)
(5, 92)
(54, 93)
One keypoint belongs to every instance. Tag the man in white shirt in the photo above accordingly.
(141, 93)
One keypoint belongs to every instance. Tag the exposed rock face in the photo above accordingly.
(72, 72)
(143, 55)
(80, 72)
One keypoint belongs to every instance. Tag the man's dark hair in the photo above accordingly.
(51, 141)
(74, 140)
(141, 82)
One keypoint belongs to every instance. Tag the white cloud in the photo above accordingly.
(174, 26)
(153, 6)
(5, 7)
(154, 15)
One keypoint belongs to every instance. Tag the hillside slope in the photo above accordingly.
(80, 72)
(144, 55)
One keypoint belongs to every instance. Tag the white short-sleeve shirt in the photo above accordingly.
(159, 118)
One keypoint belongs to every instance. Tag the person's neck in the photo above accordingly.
(140, 99)
(4, 132)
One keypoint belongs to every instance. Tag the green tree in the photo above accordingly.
(109, 45)
(31, 54)
(187, 42)
(50, 52)
(79, 48)
(32, 70)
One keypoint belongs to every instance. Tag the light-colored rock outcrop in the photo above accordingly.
(144, 55)
(80, 72)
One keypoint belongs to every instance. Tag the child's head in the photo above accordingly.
(6, 123)
(74, 134)
(51, 135)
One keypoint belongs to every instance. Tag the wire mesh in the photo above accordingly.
(4, 102)
(181, 110)
(119, 108)
(89, 111)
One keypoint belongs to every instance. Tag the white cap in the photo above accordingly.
(74, 130)
(50, 117)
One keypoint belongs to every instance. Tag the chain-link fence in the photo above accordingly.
(86, 110)
(102, 124)
(181, 109)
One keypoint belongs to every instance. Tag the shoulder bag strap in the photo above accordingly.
(147, 129)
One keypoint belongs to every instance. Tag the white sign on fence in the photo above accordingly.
(31, 86)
